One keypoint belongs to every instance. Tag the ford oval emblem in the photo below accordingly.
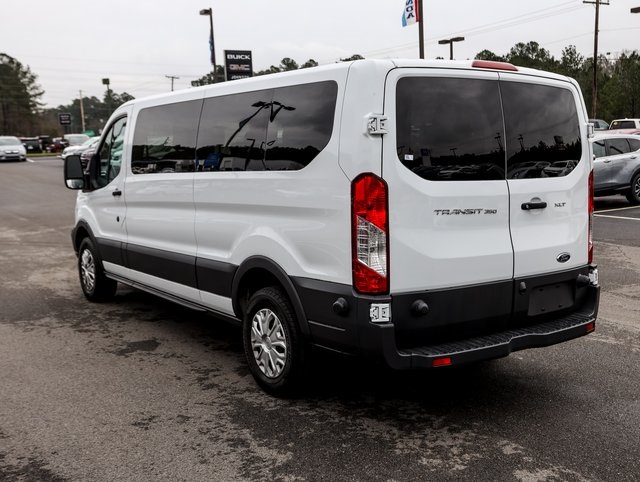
(563, 257)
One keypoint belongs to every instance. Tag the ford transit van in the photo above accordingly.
(399, 209)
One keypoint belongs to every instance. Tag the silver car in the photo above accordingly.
(12, 149)
(616, 169)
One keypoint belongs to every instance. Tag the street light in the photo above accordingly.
(450, 41)
(209, 12)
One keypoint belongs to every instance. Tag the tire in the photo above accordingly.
(634, 190)
(274, 349)
(95, 285)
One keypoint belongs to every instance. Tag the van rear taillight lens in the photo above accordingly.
(590, 242)
(370, 234)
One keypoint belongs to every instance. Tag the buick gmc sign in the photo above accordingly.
(237, 64)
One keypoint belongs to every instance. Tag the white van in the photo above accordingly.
(400, 209)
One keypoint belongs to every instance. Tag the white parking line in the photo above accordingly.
(617, 209)
(616, 217)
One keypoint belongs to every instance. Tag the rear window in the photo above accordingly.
(473, 129)
(622, 124)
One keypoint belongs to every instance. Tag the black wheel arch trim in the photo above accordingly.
(74, 235)
(262, 262)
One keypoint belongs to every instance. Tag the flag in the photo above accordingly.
(410, 14)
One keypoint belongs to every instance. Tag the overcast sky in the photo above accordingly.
(72, 44)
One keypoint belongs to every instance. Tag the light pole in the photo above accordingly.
(209, 12)
(450, 41)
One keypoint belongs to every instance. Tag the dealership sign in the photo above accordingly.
(64, 119)
(237, 64)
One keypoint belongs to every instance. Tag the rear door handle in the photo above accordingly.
(116, 192)
(533, 205)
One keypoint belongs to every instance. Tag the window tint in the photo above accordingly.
(617, 146)
(542, 130)
(110, 154)
(300, 124)
(274, 129)
(233, 132)
(623, 124)
(598, 148)
(450, 129)
(634, 143)
(165, 138)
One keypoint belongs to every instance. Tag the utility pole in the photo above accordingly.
(420, 29)
(82, 111)
(172, 77)
(594, 88)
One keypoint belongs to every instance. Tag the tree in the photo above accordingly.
(353, 57)
(19, 97)
(531, 55)
(489, 55)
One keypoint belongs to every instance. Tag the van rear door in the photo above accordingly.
(548, 166)
(443, 161)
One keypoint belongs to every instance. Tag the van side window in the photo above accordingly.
(233, 132)
(542, 130)
(300, 124)
(110, 153)
(274, 129)
(450, 129)
(165, 138)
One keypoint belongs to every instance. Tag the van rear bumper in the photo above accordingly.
(381, 338)
(460, 325)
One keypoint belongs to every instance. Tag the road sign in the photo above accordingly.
(65, 119)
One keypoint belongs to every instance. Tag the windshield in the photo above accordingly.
(10, 141)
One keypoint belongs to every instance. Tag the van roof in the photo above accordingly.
(374, 64)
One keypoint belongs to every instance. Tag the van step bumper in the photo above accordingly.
(490, 346)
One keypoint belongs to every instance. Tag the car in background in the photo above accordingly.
(78, 150)
(12, 149)
(616, 168)
(76, 139)
(625, 124)
(57, 144)
(32, 144)
(599, 124)
(559, 168)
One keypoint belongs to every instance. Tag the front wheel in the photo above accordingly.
(634, 190)
(272, 344)
(95, 285)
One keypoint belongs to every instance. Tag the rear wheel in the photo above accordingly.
(272, 343)
(634, 190)
(95, 285)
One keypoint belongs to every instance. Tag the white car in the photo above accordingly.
(365, 207)
(625, 124)
(12, 149)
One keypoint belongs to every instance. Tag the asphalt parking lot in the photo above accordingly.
(140, 389)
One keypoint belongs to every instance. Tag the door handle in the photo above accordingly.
(533, 205)
(116, 193)
(607, 162)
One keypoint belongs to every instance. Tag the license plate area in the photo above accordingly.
(552, 297)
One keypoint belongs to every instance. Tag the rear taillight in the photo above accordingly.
(370, 234)
(590, 242)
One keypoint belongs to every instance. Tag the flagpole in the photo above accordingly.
(420, 29)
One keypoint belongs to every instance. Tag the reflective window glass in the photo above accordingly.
(110, 154)
(450, 129)
(542, 130)
(634, 143)
(233, 132)
(599, 149)
(300, 124)
(165, 138)
(617, 146)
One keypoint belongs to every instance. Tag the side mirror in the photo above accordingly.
(73, 173)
